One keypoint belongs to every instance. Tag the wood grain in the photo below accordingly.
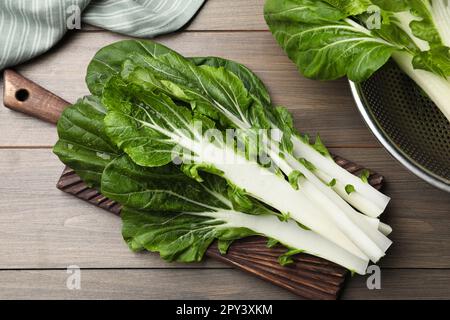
(47, 229)
(234, 15)
(139, 284)
(44, 228)
(23, 95)
(308, 277)
(401, 284)
(205, 284)
(310, 101)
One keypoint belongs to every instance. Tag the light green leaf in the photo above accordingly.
(192, 170)
(320, 147)
(350, 189)
(216, 90)
(424, 27)
(271, 243)
(332, 183)
(294, 178)
(308, 165)
(286, 258)
(365, 174)
(224, 245)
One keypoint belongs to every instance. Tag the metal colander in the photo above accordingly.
(407, 123)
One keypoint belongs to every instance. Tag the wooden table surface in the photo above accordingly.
(43, 231)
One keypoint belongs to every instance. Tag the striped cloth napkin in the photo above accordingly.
(30, 27)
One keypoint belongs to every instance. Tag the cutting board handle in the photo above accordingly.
(23, 95)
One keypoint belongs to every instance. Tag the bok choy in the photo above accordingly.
(168, 212)
(185, 216)
(163, 126)
(329, 39)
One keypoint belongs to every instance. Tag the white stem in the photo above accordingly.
(260, 183)
(385, 229)
(436, 87)
(355, 198)
(368, 225)
(368, 239)
(351, 225)
(291, 235)
(366, 199)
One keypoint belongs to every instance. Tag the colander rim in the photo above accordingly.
(388, 145)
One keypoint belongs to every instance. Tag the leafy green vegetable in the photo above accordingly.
(326, 47)
(83, 144)
(286, 258)
(108, 61)
(161, 188)
(321, 148)
(207, 93)
(329, 39)
(251, 82)
(167, 212)
(365, 174)
(272, 243)
(178, 217)
(277, 118)
(224, 245)
(349, 189)
(138, 114)
(307, 164)
(436, 60)
(174, 177)
(332, 183)
(293, 178)
(149, 126)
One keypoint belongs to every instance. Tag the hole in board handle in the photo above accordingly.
(22, 95)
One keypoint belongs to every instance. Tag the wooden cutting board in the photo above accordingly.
(308, 277)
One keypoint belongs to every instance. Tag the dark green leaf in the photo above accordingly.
(160, 188)
(108, 61)
(176, 236)
(83, 144)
